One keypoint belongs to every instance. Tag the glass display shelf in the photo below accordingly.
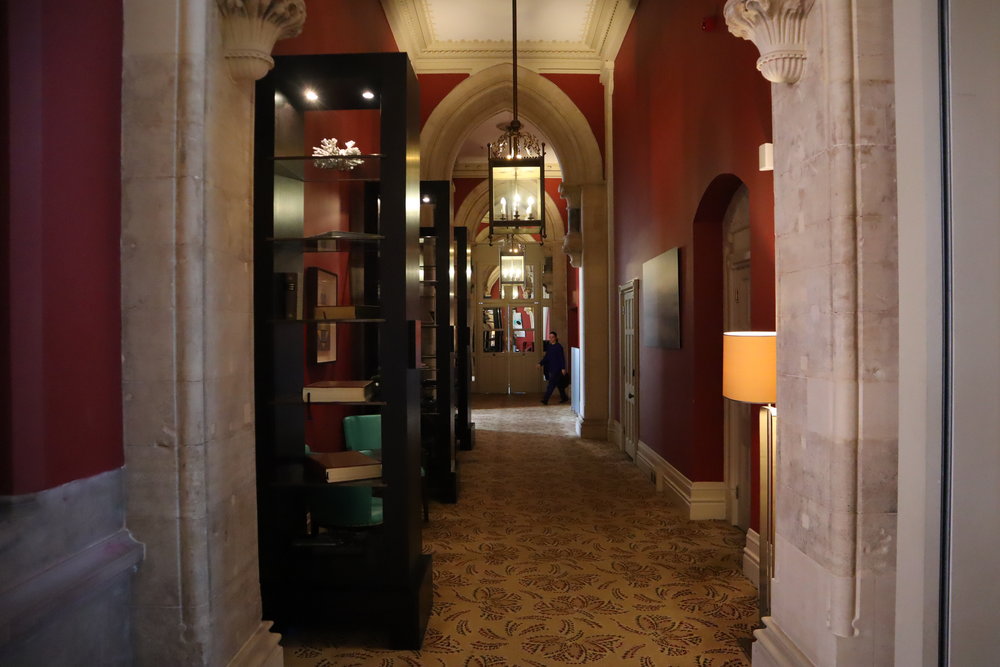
(306, 168)
(298, 400)
(332, 241)
(368, 320)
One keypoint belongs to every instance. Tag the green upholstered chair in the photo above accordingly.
(363, 433)
(340, 506)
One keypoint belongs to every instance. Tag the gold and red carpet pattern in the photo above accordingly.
(560, 552)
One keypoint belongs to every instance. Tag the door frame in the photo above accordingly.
(630, 286)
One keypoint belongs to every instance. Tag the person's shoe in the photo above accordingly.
(544, 402)
(563, 400)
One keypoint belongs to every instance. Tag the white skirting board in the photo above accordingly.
(615, 433)
(751, 557)
(773, 648)
(701, 500)
(261, 650)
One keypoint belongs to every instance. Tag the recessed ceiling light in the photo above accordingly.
(368, 95)
(311, 95)
(426, 199)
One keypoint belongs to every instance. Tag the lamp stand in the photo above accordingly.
(768, 420)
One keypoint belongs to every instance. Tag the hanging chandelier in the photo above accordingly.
(516, 173)
(511, 262)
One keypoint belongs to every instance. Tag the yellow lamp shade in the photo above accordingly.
(750, 366)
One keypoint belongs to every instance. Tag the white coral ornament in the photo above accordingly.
(329, 147)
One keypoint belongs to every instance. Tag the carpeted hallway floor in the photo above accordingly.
(560, 552)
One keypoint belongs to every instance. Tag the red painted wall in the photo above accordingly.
(341, 26)
(61, 332)
(689, 107)
(433, 89)
(587, 92)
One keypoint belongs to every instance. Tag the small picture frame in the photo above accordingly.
(321, 290)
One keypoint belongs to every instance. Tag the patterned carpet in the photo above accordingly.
(560, 552)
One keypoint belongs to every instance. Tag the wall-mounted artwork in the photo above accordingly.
(321, 290)
(661, 301)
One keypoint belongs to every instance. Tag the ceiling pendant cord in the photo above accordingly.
(516, 124)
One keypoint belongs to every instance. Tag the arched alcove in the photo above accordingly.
(488, 92)
(541, 101)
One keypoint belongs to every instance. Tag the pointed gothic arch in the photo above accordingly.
(487, 93)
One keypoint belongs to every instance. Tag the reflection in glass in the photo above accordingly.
(522, 324)
(493, 330)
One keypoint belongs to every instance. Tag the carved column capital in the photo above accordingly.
(251, 27)
(778, 29)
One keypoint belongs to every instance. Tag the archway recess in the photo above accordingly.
(471, 103)
(488, 92)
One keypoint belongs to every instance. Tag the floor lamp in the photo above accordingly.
(749, 375)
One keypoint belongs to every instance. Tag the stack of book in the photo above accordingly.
(339, 391)
(344, 466)
(350, 312)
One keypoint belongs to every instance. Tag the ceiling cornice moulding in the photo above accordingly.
(412, 26)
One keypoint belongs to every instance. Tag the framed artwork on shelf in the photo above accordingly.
(321, 290)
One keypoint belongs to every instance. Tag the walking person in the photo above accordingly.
(554, 366)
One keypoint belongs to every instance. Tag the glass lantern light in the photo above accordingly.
(516, 174)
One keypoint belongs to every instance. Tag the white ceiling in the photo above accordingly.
(577, 36)
(490, 20)
(471, 161)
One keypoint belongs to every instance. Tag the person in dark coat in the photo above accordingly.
(554, 366)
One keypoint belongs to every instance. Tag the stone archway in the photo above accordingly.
(478, 98)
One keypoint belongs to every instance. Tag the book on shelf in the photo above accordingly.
(346, 466)
(348, 312)
(288, 295)
(332, 391)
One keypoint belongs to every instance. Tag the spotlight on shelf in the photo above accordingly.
(311, 95)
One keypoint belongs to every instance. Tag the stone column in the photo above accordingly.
(835, 227)
(588, 203)
(187, 340)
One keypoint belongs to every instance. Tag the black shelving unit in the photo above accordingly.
(438, 341)
(365, 212)
(465, 430)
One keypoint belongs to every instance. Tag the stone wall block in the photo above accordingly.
(791, 406)
(843, 538)
(879, 339)
(873, 32)
(876, 181)
(807, 204)
(152, 489)
(843, 473)
(147, 215)
(233, 548)
(811, 249)
(877, 537)
(804, 522)
(228, 405)
(877, 472)
(231, 465)
(240, 598)
(805, 467)
(844, 290)
(149, 412)
(148, 339)
(170, 631)
(803, 331)
(149, 107)
(227, 231)
(157, 579)
(876, 123)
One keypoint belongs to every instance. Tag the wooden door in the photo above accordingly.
(628, 327)
(736, 317)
